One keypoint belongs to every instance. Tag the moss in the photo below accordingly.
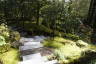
(10, 57)
(68, 51)
(52, 44)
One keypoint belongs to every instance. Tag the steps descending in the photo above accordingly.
(29, 46)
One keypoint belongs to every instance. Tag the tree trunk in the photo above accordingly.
(92, 19)
(38, 10)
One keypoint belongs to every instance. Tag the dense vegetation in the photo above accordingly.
(63, 21)
(70, 52)
(7, 45)
(56, 15)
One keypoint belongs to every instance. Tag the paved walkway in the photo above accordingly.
(31, 57)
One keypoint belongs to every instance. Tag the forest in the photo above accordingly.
(47, 32)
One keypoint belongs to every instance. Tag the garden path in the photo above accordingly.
(28, 51)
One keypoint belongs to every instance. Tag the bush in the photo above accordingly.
(5, 48)
(68, 51)
(9, 34)
(2, 40)
(10, 57)
(4, 31)
(14, 36)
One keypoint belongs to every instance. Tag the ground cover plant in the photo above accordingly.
(67, 51)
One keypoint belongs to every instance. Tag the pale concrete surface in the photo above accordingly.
(32, 43)
(27, 47)
(32, 56)
(32, 61)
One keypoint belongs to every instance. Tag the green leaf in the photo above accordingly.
(2, 40)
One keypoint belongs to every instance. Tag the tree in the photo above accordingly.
(92, 19)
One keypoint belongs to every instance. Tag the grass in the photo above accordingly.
(53, 44)
(10, 57)
(67, 51)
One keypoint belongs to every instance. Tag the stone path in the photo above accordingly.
(28, 55)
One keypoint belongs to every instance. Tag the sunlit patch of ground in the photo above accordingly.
(67, 51)
(10, 57)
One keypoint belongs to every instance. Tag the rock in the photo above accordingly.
(81, 43)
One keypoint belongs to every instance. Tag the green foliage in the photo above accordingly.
(14, 35)
(52, 44)
(2, 40)
(72, 36)
(68, 51)
(4, 31)
(10, 57)
(4, 48)
(8, 35)
(56, 15)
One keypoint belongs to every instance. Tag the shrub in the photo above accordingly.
(9, 34)
(2, 40)
(4, 31)
(14, 36)
(5, 48)
(71, 36)
(67, 53)
(10, 57)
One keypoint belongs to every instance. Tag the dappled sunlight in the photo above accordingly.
(10, 57)
(47, 32)
(67, 51)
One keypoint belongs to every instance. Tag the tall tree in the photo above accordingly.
(92, 19)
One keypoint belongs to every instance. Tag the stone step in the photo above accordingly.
(36, 56)
(37, 61)
(39, 38)
(32, 61)
(51, 62)
(32, 43)
(32, 56)
(22, 40)
(27, 47)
